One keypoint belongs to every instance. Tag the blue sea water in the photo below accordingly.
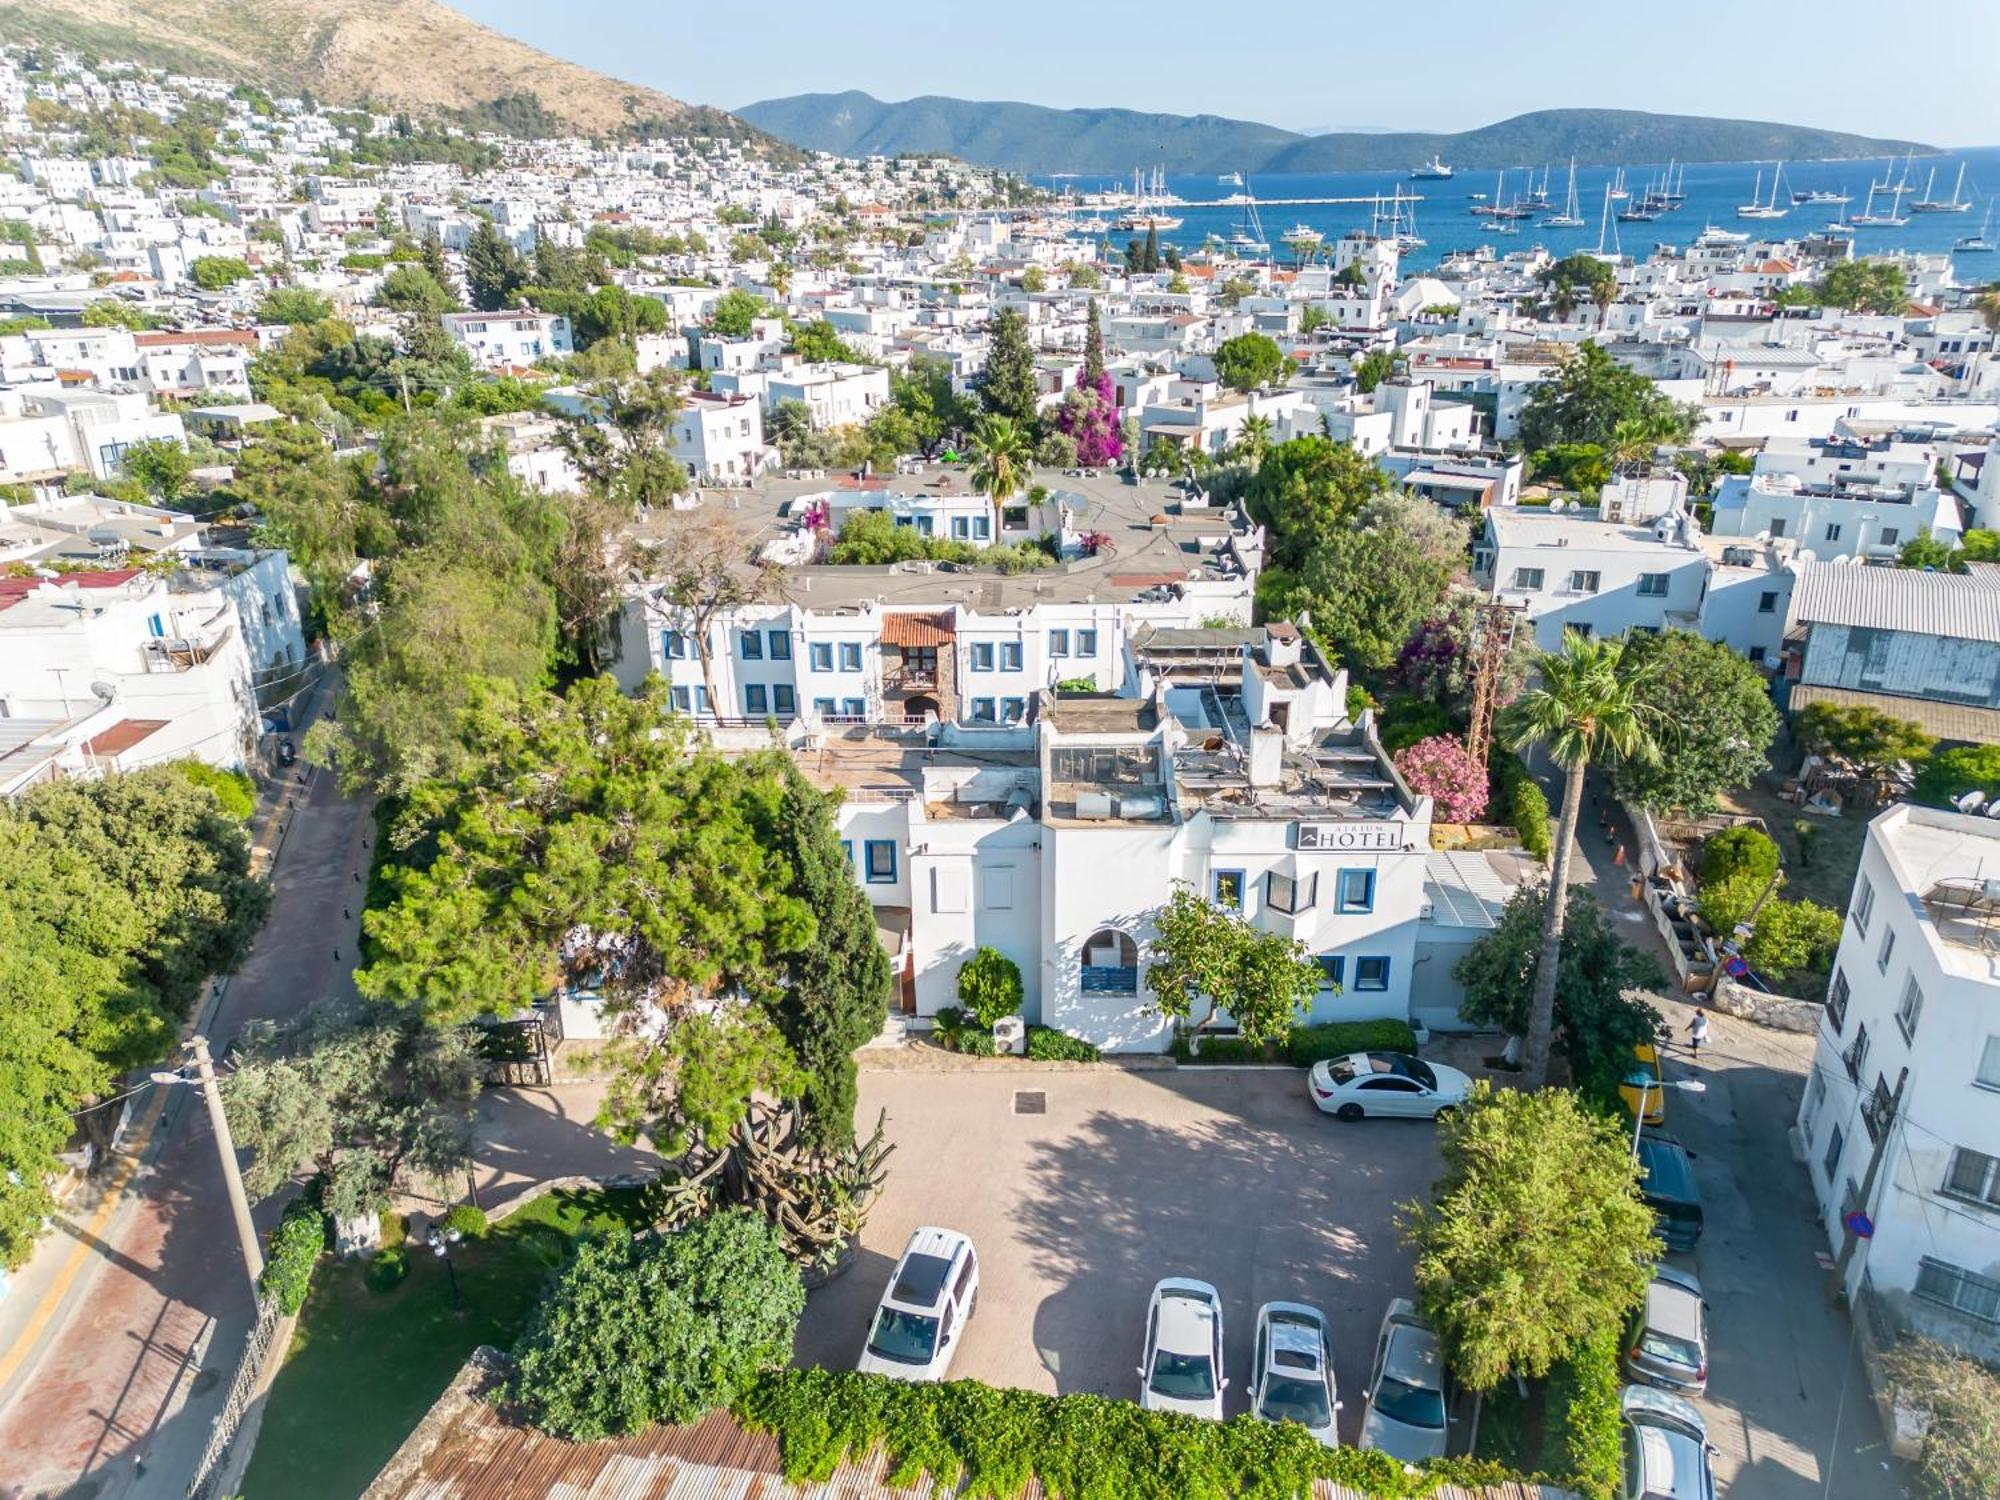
(1713, 189)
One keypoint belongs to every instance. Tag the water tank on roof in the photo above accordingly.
(1141, 806)
(1093, 804)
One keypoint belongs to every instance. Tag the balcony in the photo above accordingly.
(1966, 911)
(910, 680)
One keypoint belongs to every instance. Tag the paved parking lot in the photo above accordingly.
(1231, 1176)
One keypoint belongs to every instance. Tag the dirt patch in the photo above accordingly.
(1820, 865)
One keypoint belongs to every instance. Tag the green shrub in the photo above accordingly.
(386, 1268)
(233, 789)
(1402, 721)
(468, 1220)
(1518, 800)
(1738, 851)
(1950, 774)
(1583, 1417)
(989, 983)
(1045, 1045)
(948, 1025)
(1080, 1445)
(296, 1246)
(1221, 1049)
(1311, 1044)
(975, 1043)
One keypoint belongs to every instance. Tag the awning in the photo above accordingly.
(916, 630)
(123, 735)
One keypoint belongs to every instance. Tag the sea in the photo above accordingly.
(1713, 192)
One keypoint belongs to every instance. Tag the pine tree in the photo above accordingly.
(1093, 346)
(1008, 388)
(493, 269)
(432, 251)
(1149, 258)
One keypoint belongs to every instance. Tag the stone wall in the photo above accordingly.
(1779, 1012)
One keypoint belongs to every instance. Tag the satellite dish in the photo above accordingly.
(1971, 802)
(107, 691)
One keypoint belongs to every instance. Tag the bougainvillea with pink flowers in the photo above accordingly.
(1089, 414)
(1442, 769)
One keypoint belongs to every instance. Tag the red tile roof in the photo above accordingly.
(14, 590)
(123, 735)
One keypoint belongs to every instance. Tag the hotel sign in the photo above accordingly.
(1353, 838)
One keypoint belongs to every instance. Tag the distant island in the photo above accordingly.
(1033, 138)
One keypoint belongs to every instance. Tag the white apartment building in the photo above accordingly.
(509, 338)
(48, 433)
(1839, 497)
(721, 438)
(1901, 1117)
(838, 395)
(950, 515)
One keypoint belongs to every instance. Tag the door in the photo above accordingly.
(1394, 1096)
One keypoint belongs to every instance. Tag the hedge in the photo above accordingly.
(1045, 1045)
(1583, 1408)
(296, 1245)
(1518, 800)
(1082, 1447)
(1306, 1045)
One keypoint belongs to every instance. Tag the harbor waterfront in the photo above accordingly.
(1714, 191)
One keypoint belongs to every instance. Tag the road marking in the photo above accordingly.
(114, 1194)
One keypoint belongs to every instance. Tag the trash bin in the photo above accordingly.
(1010, 1035)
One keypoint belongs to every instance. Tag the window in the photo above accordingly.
(1332, 970)
(854, 708)
(1086, 643)
(781, 645)
(756, 700)
(850, 656)
(1959, 1289)
(1777, 527)
(1883, 953)
(1283, 893)
(982, 528)
(1836, 1001)
(847, 852)
(961, 527)
(752, 648)
(1835, 1144)
(1889, 536)
(1013, 710)
(821, 656)
(1010, 656)
(1756, 653)
(783, 699)
(824, 708)
(1815, 1097)
(1864, 906)
(681, 701)
(1584, 581)
(1059, 643)
(1974, 1175)
(983, 711)
(1371, 973)
(1856, 1055)
(1356, 891)
(1988, 1075)
(1910, 1009)
(1110, 964)
(1014, 517)
(672, 641)
(1652, 585)
(881, 855)
(1226, 888)
(1767, 602)
(1528, 580)
(700, 699)
(981, 654)
(1833, 532)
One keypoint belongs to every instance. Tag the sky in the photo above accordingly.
(1444, 65)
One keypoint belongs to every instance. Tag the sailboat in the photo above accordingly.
(1145, 196)
(1496, 208)
(1569, 218)
(1958, 203)
(1980, 243)
(1538, 197)
(1869, 219)
(1756, 210)
(1604, 224)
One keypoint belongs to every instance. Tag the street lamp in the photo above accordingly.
(441, 1240)
(1645, 1088)
(225, 1145)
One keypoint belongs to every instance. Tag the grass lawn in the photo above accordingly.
(365, 1365)
(1825, 872)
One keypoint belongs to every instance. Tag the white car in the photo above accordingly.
(1182, 1370)
(1291, 1370)
(922, 1316)
(1405, 1414)
(1385, 1083)
(1666, 1448)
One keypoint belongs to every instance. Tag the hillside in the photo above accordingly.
(413, 55)
(1033, 138)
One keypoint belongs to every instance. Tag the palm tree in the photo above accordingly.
(1584, 707)
(1987, 305)
(1254, 441)
(1004, 456)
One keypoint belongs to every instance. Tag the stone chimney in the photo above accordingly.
(1281, 644)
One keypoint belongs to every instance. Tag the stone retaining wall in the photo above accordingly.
(1779, 1012)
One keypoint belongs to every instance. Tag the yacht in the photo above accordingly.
(1957, 203)
(1869, 219)
(1819, 195)
(1569, 218)
(1303, 234)
(1756, 210)
(1230, 179)
(1710, 235)
(1433, 170)
(1977, 244)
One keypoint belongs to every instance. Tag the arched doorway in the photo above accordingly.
(1110, 963)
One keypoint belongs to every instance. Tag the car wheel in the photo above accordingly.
(1445, 1112)
(1350, 1112)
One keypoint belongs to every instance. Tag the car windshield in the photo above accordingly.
(1182, 1377)
(1665, 1346)
(906, 1337)
(1412, 1405)
(1290, 1400)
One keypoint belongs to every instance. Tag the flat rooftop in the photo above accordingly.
(1525, 526)
(1944, 859)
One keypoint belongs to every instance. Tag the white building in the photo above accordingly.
(1840, 497)
(509, 338)
(48, 433)
(721, 438)
(837, 394)
(1901, 1117)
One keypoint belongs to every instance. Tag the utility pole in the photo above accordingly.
(225, 1144)
(1496, 636)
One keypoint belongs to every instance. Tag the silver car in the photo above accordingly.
(1291, 1371)
(1666, 1448)
(1405, 1414)
(1668, 1343)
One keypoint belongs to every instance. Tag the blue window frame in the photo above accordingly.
(824, 708)
(1356, 891)
(752, 646)
(924, 526)
(854, 708)
(982, 528)
(821, 656)
(1226, 888)
(881, 855)
(783, 700)
(756, 700)
(1059, 643)
(847, 852)
(1013, 710)
(982, 711)
(1086, 643)
(681, 701)
(674, 644)
(700, 699)
(1371, 973)
(1332, 970)
(850, 656)
(781, 644)
(1010, 656)
(981, 653)
(961, 528)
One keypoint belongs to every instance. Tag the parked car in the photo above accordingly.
(1405, 1411)
(1666, 1448)
(923, 1312)
(1641, 1088)
(1385, 1083)
(1668, 1344)
(1666, 1182)
(1291, 1370)
(1182, 1369)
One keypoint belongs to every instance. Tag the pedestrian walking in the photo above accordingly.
(1697, 1031)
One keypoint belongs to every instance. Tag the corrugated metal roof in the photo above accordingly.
(1945, 721)
(1961, 605)
(1463, 889)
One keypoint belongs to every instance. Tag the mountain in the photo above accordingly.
(413, 55)
(1034, 138)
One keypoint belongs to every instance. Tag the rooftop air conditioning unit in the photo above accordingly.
(1094, 805)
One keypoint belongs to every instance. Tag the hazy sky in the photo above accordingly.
(1900, 70)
